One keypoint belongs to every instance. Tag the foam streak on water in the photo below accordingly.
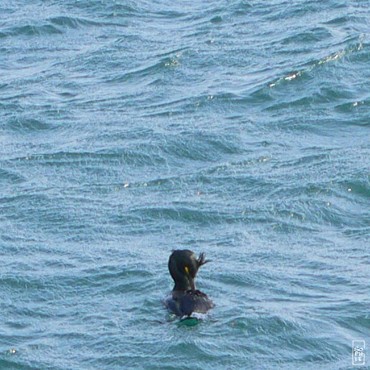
(236, 128)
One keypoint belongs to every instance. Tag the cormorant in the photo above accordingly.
(185, 298)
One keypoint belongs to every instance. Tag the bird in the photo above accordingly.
(185, 299)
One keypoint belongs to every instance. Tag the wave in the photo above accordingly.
(31, 30)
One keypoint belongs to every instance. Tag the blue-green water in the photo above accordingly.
(236, 128)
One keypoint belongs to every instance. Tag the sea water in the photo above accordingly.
(235, 128)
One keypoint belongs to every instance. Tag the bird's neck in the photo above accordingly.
(182, 285)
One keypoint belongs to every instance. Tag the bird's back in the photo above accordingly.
(186, 303)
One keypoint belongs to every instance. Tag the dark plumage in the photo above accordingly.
(185, 298)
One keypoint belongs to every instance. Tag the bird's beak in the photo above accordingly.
(191, 280)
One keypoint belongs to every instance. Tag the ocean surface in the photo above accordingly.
(236, 128)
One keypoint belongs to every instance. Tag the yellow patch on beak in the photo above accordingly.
(186, 270)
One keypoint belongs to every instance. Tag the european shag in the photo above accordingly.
(185, 298)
